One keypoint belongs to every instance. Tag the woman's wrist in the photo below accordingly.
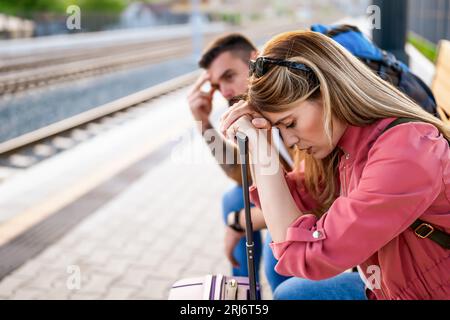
(257, 140)
(263, 153)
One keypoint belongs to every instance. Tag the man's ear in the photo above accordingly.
(253, 55)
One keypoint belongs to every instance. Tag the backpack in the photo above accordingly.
(383, 63)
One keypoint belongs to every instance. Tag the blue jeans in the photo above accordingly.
(272, 276)
(346, 286)
(233, 200)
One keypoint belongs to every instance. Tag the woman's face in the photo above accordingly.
(302, 125)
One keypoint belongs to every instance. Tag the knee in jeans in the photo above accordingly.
(226, 200)
(289, 291)
(226, 203)
(229, 200)
(281, 293)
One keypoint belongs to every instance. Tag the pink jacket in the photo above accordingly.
(386, 184)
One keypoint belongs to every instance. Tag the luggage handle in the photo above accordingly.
(242, 140)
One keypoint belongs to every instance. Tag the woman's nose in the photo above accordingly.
(288, 138)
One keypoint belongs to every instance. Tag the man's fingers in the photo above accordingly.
(201, 103)
(199, 94)
(199, 97)
(232, 260)
(230, 257)
(201, 81)
(211, 92)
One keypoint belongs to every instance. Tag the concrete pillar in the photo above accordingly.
(392, 36)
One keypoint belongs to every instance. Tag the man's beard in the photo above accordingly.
(236, 99)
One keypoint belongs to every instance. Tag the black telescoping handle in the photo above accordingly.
(250, 245)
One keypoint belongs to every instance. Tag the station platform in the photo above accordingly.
(131, 210)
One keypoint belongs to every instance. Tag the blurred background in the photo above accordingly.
(93, 104)
(48, 17)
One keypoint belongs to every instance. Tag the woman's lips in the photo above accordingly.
(307, 150)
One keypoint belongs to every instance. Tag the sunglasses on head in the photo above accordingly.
(260, 66)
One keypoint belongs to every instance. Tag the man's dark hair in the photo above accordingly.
(235, 43)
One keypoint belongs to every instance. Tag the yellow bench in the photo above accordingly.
(441, 81)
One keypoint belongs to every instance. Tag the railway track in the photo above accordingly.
(31, 148)
(24, 73)
(40, 76)
(77, 65)
(9, 64)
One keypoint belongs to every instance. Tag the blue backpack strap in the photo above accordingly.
(321, 28)
(354, 41)
(391, 61)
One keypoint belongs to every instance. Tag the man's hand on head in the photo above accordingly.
(200, 102)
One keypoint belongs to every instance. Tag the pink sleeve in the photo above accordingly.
(399, 182)
(295, 180)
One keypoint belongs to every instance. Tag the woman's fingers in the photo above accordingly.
(261, 123)
(230, 133)
(228, 122)
(231, 109)
(236, 111)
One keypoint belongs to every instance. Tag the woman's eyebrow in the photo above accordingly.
(281, 120)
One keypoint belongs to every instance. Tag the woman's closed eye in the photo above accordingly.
(291, 125)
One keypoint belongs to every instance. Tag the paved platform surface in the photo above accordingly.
(164, 226)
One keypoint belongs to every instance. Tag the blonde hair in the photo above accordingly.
(347, 88)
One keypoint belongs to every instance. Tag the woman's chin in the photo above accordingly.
(319, 154)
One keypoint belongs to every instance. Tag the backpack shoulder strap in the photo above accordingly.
(398, 121)
(341, 29)
(421, 228)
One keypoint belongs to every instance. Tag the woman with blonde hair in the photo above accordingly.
(367, 191)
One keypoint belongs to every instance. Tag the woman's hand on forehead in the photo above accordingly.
(261, 123)
(238, 110)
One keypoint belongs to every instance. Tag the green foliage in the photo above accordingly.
(427, 48)
(233, 18)
(255, 16)
(14, 7)
(101, 5)
(20, 7)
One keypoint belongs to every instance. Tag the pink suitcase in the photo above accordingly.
(211, 287)
(220, 287)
